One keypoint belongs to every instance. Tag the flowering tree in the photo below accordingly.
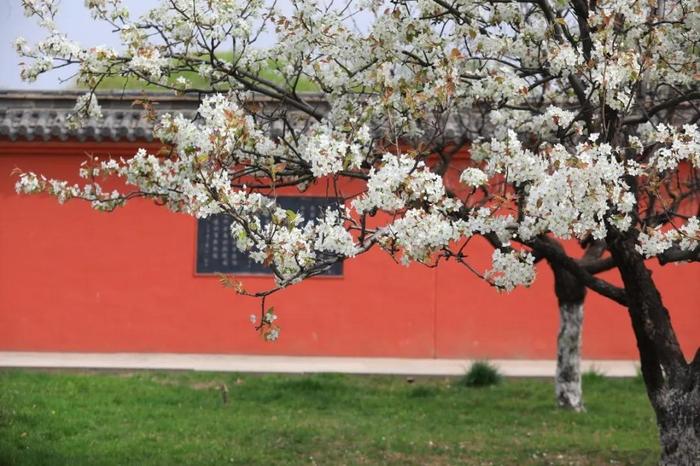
(580, 118)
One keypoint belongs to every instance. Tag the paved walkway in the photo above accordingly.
(296, 364)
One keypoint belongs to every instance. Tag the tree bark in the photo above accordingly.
(567, 383)
(571, 293)
(673, 385)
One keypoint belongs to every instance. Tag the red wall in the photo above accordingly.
(72, 279)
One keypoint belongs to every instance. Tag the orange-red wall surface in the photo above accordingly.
(72, 279)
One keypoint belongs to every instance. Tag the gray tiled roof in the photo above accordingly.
(40, 116)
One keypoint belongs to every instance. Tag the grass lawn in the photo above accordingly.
(179, 418)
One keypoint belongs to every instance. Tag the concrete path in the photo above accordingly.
(297, 364)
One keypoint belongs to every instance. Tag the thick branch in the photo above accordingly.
(676, 254)
(555, 254)
(660, 107)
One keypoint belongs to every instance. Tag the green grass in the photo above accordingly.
(118, 83)
(145, 418)
(271, 73)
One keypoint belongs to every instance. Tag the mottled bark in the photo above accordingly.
(673, 385)
(567, 383)
(571, 294)
(678, 416)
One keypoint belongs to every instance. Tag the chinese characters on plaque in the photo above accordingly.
(216, 249)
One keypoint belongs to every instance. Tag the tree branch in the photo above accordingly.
(556, 254)
(633, 120)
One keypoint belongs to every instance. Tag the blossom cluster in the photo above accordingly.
(511, 269)
(686, 237)
(328, 152)
(401, 181)
(577, 126)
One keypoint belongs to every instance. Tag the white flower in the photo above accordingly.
(392, 95)
(401, 180)
(329, 152)
(511, 269)
(272, 335)
(420, 234)
(148, 62)
(29, 183)
(653, 243)
(473, 177)
(85, 109)
(182, 82)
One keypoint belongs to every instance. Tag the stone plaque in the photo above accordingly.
(216, 249)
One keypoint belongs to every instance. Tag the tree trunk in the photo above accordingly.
(567, 384)
(571, 294)
(678, 417)
(672, 384)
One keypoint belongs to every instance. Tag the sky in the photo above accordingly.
(74, 19)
